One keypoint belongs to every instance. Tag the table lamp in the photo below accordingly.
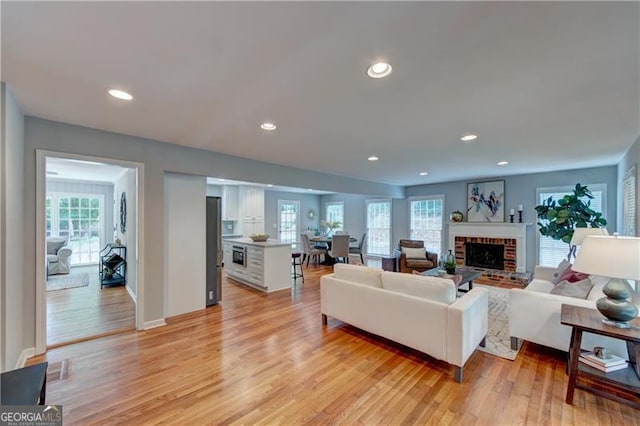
(618, 258)
(579, 234)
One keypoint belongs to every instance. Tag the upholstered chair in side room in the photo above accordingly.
(58, 253)
(412, 256)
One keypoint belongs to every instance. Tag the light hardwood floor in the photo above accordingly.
(81, 313)
(266, 359)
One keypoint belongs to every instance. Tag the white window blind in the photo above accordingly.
(550, 251)
(425, 222)
(629, 203)
(378, 227)
(335, 213)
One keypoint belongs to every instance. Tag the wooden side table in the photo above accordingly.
(624, 384)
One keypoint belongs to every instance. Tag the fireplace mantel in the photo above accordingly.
(517, 231)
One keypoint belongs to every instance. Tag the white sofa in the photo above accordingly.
(419, 312)
(534, 315)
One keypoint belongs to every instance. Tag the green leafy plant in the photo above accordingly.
(558, 218)
(450, 266)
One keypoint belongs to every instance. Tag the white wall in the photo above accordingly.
(16, 296)
(185, 243)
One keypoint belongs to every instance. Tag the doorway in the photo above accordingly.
(288, 220)
(78, 207)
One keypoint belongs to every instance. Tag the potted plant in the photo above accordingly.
(450, 266)
(557, 219)
(328, 225)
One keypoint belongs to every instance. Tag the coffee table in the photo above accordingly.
(468, 276)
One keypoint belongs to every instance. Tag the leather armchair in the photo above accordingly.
(409, 265)
(58, 253)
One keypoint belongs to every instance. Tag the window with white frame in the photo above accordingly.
(79, 218)
(334, 212)
(378, 227)
(288, 220)
(425, 222)
(550, 251)
(629, 203)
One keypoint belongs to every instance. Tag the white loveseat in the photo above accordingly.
(534, 315)
(419, 312)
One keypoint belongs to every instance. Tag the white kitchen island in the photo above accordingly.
(267, 265)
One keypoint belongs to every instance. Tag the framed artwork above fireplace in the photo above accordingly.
(485, 201)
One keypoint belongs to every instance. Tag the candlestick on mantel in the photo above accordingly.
(511, 212)
(520, 216)
(520, 207)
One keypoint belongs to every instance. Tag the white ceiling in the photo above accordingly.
(59, 168)
(545, 85)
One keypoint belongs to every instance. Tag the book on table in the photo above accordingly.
(605, 365)
(610, 361)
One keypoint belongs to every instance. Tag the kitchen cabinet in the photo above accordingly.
(230, 202)
(252, 201)
(267, 265)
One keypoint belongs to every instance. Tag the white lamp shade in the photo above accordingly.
(579, 234)
(613, 257)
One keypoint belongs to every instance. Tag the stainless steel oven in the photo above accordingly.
(239, 255)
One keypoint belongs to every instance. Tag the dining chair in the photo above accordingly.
(340, 248)
(360, 248)
(308, 251)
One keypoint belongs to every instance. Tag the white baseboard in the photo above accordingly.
(132, 294)
(24, 356)
(155, 323)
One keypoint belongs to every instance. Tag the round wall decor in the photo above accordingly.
(123, 213)
(311, 214)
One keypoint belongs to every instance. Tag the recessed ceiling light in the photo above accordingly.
(469, 138)
(373, 158)
(268, 126)
(379, 70)
(120, 94)
(502, 163)
(423, 173)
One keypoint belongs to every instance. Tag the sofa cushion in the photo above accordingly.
(432, 288)
(419, 263)
(573, 276)
(596, 291)
(55, 243)
(358, 274)
(562, 266)
(415, 253)
(540, 286)
(579, 290)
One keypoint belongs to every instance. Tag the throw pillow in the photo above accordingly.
(579, 290)
(55, 244)
(415, 253)
(572, 276)
(562, 266)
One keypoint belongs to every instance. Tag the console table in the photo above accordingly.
(624, 384)
(24, 386)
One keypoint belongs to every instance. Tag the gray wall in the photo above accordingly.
(127, 184)
(158, 158)
(307, 201)
(521, 189)
(17, 295)
(630, 159)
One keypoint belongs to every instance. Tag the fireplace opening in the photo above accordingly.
(490, 256)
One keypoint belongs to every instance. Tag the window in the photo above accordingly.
(425, 222)
(288, 219)
(550, 251)
(78, 217)
(335, 213)
(629, 203)
(378, 227)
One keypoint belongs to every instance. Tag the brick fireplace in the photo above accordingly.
(499, 250)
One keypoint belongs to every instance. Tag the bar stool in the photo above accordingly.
(296, 260)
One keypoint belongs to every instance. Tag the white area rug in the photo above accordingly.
(498, 339)
(72, 280)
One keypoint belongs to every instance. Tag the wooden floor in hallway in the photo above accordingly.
(79, 313)
(259, 358)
